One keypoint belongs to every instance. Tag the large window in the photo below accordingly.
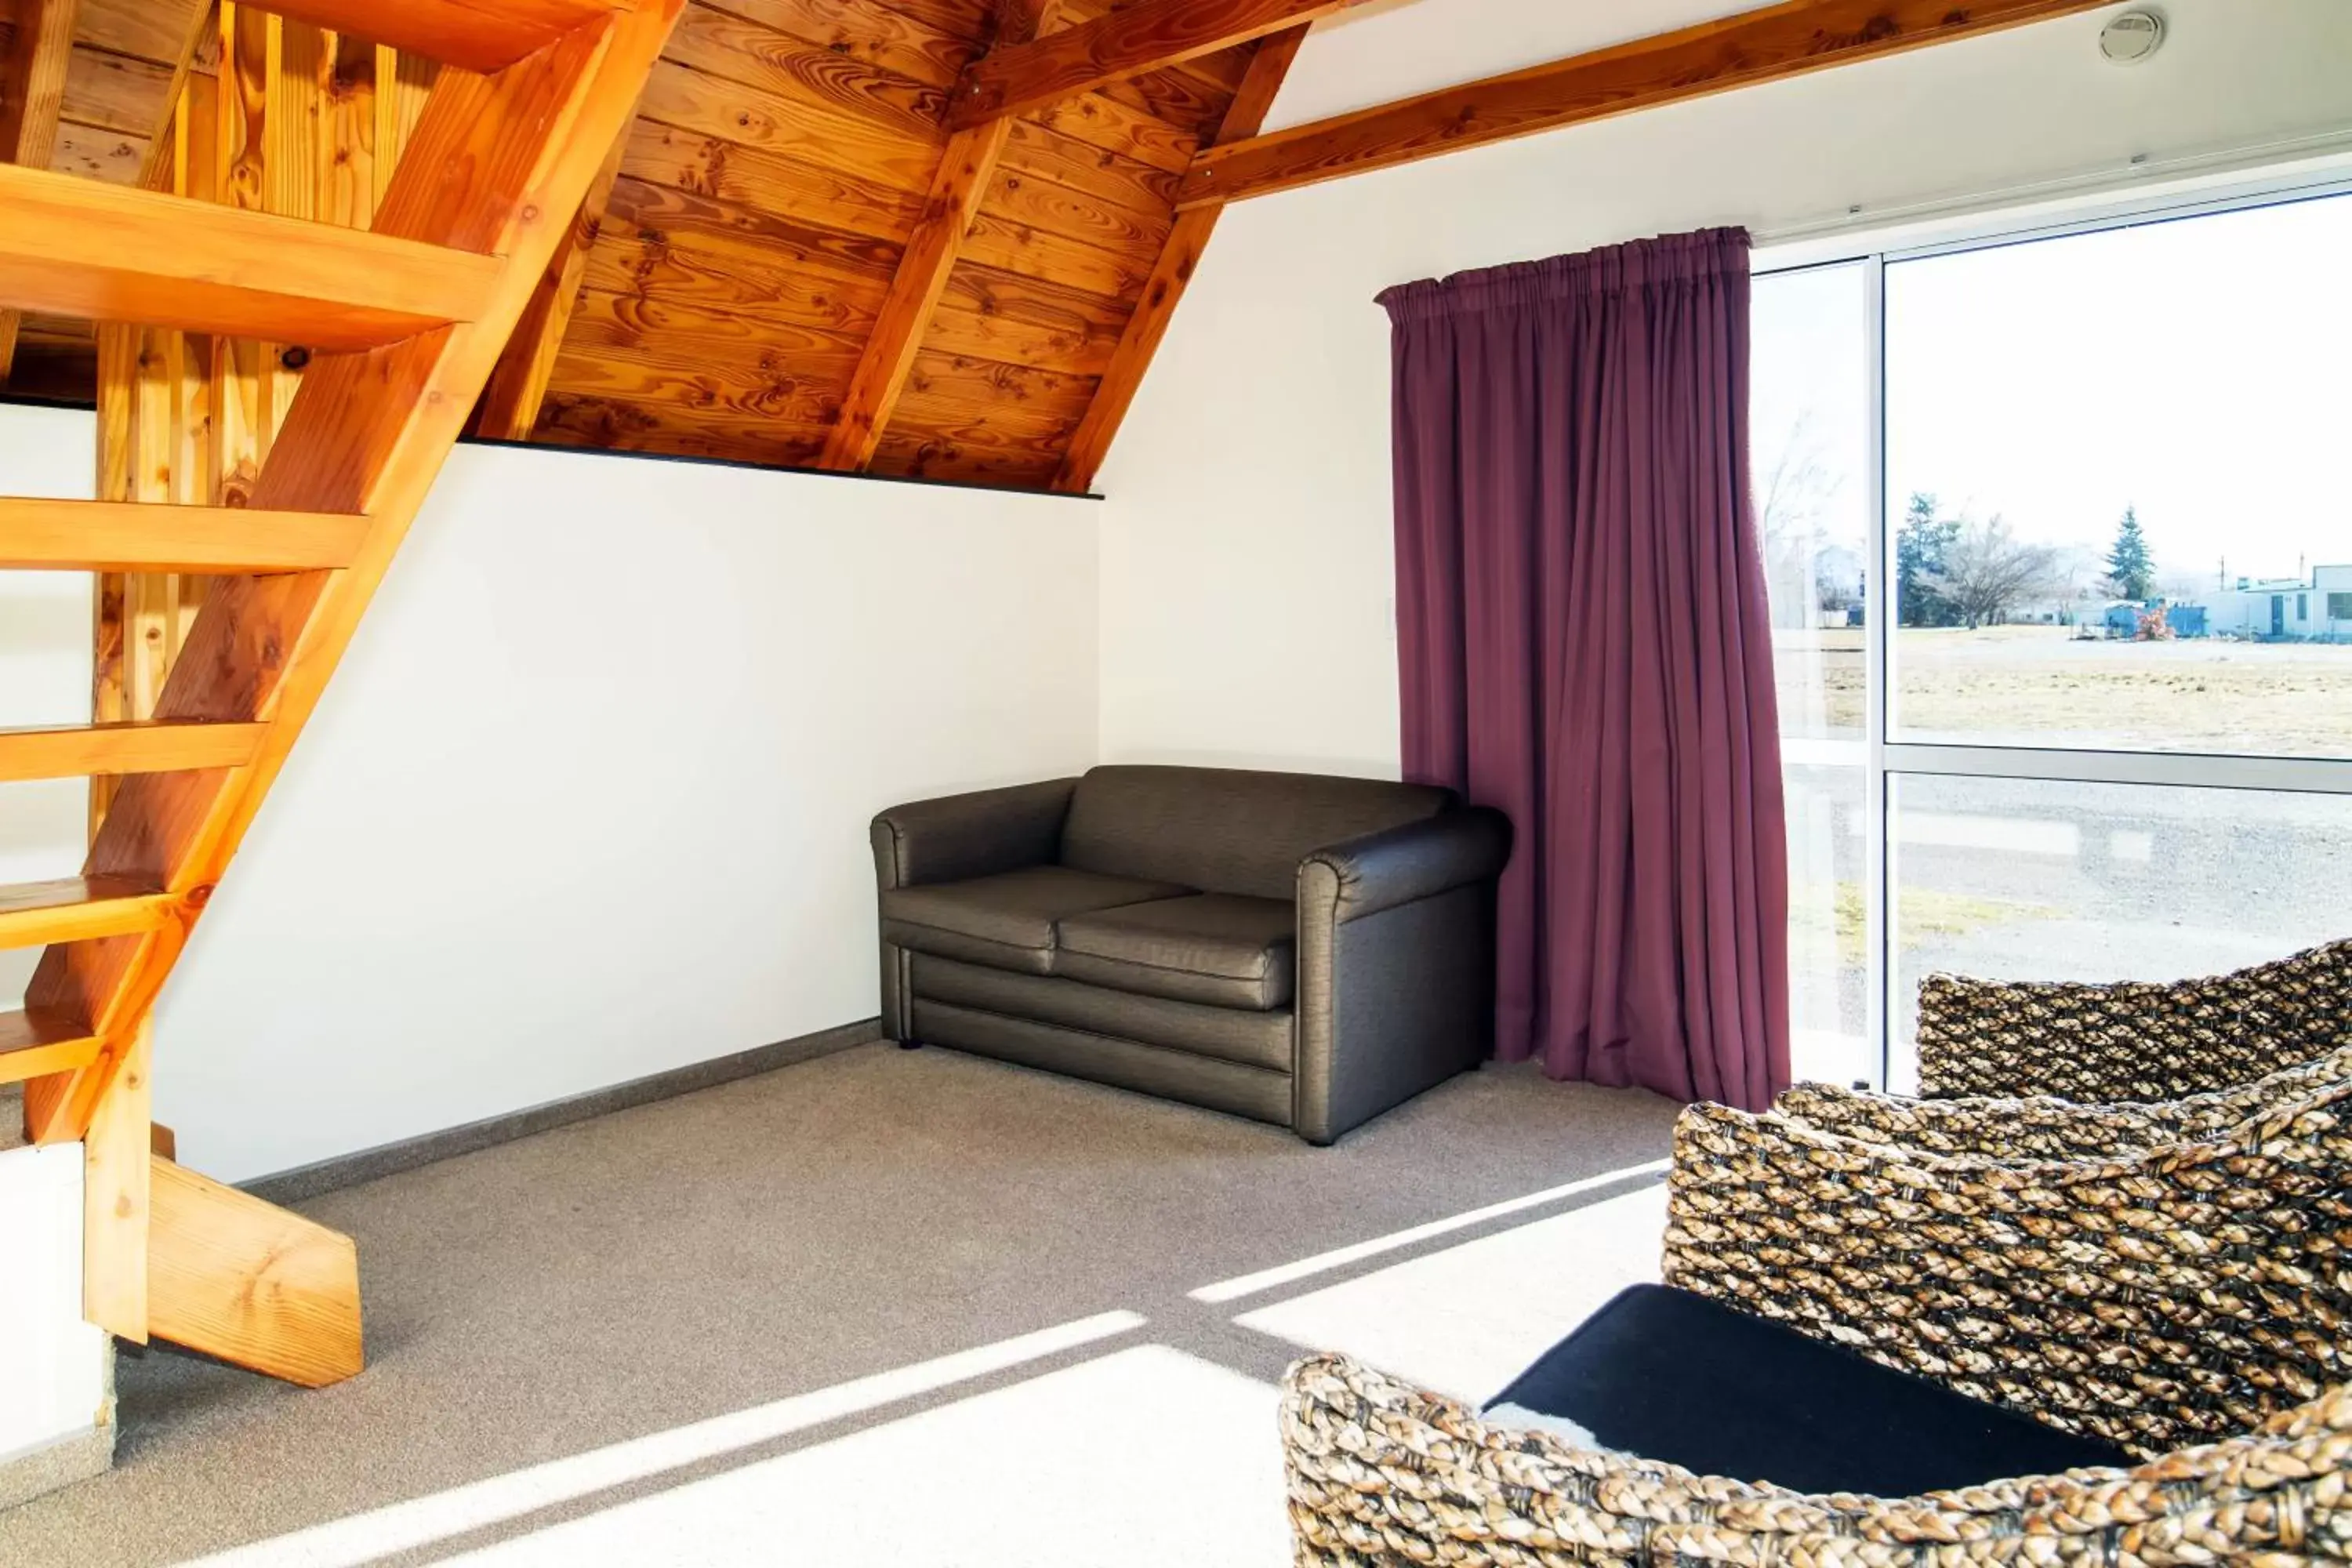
(1809, 420)
(2060, 559)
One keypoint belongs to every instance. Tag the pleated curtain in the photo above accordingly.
(1584, 643)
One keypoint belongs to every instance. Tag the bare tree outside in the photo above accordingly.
(1987, 570)
(1796, 494)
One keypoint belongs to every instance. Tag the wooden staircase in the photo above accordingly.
(403, 324)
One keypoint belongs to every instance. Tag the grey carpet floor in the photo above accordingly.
(824, 1222)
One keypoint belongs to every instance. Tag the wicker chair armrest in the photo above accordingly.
(2132, 1040)
(2058, 1040)
(1380, 1472)
(2153, 1298)
(2040, 1128)
(2047, 1128)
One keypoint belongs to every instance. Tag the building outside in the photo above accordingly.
(2286, 608)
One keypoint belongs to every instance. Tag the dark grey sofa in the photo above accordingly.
(1300, 949)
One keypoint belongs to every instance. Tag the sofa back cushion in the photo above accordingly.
(1228, 830)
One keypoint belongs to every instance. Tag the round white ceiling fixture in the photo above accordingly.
(2132, 37)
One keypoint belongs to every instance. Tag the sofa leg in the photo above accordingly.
(910, 1045)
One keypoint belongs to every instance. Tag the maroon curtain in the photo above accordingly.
(1584, 643)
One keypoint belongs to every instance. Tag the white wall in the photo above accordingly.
(587, 799)
(45, 659)
(1247, 579)
(52, 1364)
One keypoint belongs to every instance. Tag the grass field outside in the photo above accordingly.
(2042, 686)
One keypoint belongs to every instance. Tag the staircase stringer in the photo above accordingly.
(497, 165)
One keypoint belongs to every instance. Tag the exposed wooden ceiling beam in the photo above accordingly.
(965, 169)
(33, 80)
(1009, 82)
(1767, 45)
(32, 91)
(519, 387)
(1187, 238)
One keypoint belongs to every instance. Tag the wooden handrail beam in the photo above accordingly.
(75, 246)
(1755, 46)
(127, 536)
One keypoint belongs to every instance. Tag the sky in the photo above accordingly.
(2199, 370)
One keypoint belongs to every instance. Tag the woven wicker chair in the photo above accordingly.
(2135, 1040)
(1382, 1475)
(2160, 1294)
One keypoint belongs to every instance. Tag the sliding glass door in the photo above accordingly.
(2059, 540)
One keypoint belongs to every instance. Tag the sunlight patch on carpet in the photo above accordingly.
(420, 1521)
(1340, 1256)
(1145, 1455)
(1467, 1321)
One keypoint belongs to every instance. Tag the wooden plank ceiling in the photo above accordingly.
(779, 162)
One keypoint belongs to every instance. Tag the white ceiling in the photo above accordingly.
(1395, 48)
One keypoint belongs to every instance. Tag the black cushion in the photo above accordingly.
(1217, 948)
(1666, 1375)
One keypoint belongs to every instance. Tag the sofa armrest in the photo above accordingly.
(1379, 871)
(1396, 967)
(978, 834)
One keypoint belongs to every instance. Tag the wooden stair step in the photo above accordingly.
(480, 35)
(76, 246)
(134, 536)
(134, 746)
(77, 909)
(37, 1042)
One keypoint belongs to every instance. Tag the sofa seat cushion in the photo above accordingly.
(1667, 1374)
(1228, 1034)
(1007, 920)
(1218, 948)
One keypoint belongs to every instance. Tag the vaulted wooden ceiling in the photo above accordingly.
(779, 162)
(815, 247)
(781, 159)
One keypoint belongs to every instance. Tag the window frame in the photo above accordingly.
(1886, 759)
